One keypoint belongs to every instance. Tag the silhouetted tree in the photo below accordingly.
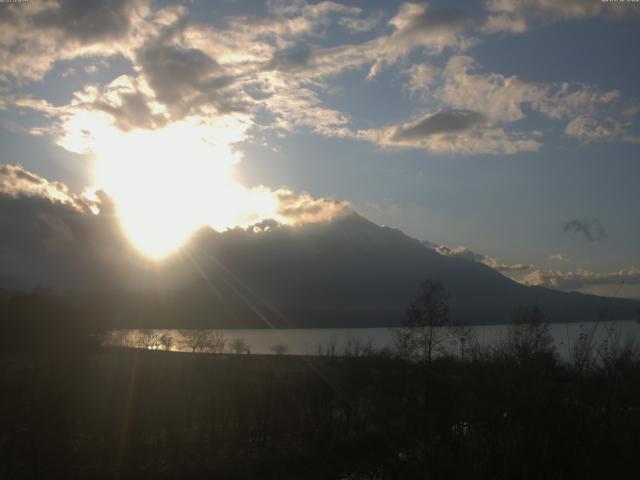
(583, 351)
(238, 345)
(165, 341)
(423, 332)
(200, 340)
(148, 339)
(279, 349)
(354, 347)
(529, 336)
(464, 338)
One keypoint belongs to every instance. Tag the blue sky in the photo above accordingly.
(503, 131)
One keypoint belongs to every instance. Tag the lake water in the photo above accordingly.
(341, 340)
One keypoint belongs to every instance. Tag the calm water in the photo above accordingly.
(313, 341)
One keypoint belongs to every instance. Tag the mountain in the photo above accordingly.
(352, 272)
(348, 272)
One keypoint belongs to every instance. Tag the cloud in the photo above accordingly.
(452, 121)
(293, 105)
(302, 208)
(184, 79)
(271, 73)
(588, 129)
(420, 26)
(52, 237)
(297, 17)
(532, 275)
(128, 100)
(502, 98)
(36, 34)
(421, 77)
(572, 99)
(580, 278)
(593, 114)
(17, 182)
(496, 96)
(291, 59)
(591, 230)
(467, 254)
(476, 107)
(514, 16)
(453, 131)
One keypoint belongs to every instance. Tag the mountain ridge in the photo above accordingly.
(347, 272)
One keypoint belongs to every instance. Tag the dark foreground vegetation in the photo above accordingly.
(123, 413)
(72, 409)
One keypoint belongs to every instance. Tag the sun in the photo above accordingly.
(167, 183)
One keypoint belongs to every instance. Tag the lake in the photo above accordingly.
(340, 340)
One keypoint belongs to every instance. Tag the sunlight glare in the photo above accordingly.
(169, 182)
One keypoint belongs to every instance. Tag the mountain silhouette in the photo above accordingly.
(352, 272)
(348, 272)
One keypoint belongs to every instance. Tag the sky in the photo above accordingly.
(503, 131)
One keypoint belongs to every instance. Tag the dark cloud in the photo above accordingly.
(435, 19)
(591, 230)
(87, 20)
(133, 111)
(37, 34)
(52, 243)
(173, 71)
(453, 121)
(186, 79)
(291, 59)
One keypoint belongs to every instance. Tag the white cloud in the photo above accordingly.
(498, 97)
(419, 26)
(580, 278)
(421, 77)
(587, 129)
(528, 274)
(463, 252)
(514, 16)
(571, 99)
(302, 208)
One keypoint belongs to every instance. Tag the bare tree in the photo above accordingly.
(165, 341)
(355, 347)
(423, 332)
(464, 338)
(200, 340)
(238, 345)
(280, 349)
(528, 336)
(217, 342)
(583, 352)
(329, 349)
(148, 339)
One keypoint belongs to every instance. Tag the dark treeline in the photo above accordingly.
(508, 413)
(43, 320)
